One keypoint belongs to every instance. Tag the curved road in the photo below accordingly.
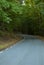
(29, 51)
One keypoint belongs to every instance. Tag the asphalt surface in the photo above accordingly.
(29, 51)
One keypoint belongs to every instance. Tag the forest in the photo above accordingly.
(26, 17)
(21, 32)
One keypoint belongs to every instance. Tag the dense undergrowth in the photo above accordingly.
(27, 19)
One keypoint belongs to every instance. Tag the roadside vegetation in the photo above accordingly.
(8, 39)
(17, 17)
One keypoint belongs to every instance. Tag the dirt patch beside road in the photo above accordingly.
(8, 40)
(40, 37)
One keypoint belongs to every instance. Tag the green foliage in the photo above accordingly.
(28, 18)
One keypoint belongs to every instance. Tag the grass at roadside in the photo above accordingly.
(6, 40)
(40, 37)
(7, 44)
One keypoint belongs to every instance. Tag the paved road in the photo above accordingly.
(29, 51)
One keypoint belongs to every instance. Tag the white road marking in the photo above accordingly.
(1, 52)
(6, 49)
